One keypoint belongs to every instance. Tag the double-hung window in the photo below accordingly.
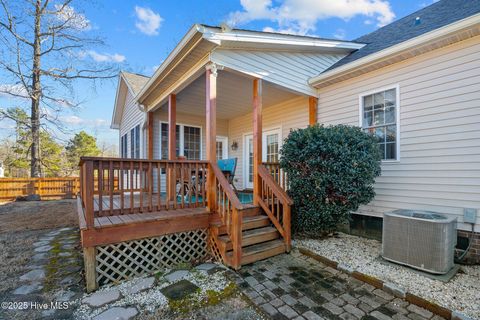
(123, 146)
(135, 142)
(188, 141)
(379, 116)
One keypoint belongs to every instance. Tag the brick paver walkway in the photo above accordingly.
(294, 286)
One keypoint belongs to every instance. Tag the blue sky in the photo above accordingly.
(139, 35)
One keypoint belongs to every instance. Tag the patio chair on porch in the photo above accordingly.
(228, 167)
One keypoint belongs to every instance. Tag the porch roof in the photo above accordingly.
(284, 60)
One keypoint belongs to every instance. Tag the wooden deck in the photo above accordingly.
(117, 228)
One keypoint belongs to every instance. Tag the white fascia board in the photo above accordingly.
(113, 123)
(183, 43)
(409, 44)
(213, 35)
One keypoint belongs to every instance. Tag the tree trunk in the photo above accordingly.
(35, 170)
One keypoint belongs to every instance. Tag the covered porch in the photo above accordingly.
(220, 94)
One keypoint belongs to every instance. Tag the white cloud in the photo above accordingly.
(74, 19)
(301, 16)
(13, 90)
(73, 120)
(340, 34)
(148, 21)
(105, 57)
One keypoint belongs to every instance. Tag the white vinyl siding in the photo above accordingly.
(439, 168)
(131, 117)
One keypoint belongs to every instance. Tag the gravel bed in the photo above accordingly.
(461, 293)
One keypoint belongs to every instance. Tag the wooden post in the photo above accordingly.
(172, 143)
(287, 226)
(150, 135)
(211, 132)
(90, 262)
(237, 217)
(312, 110)
(257, 137)
(89, 186)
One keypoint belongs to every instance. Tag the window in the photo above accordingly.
(188, 141)
(123, 146)
(222, 147)
(164, 140)
(191, 142)
(379, 117)
(219, 146)
(132, 143)
(135, 142)
(272, 147)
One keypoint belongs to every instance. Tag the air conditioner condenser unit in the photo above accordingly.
(423, 240)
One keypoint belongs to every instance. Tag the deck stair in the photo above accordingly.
(260, 239)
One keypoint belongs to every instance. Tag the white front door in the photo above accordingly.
(271, 144)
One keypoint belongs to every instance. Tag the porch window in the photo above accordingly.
(272, 148)
(379, 117)
(135, 142)
(123, 146)
(219, 150)
(164, 140)
(191, 143)
(188, 141)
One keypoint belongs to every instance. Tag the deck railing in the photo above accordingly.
(276, 203)
(277, 173)
(229, 208)
(115, 186)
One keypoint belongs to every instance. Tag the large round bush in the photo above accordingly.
(332, 171)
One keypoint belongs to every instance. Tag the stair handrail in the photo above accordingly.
(229, 208)
(270, 197)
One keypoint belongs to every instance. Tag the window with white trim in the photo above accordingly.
(135, 142)
(379, 117)
(123, 146)
(188, 141)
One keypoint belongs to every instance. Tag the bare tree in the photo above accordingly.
(43, 48)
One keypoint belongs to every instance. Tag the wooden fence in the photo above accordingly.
(47, 188)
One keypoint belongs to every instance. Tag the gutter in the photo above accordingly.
(215, 36)
(406, 45)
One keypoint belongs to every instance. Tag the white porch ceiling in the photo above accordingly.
(234, 95)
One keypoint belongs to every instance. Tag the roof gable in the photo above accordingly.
(126, 82)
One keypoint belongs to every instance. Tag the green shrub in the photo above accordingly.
(331, 171)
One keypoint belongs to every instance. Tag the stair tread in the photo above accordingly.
(245, 219)
(251, 233)
(260, 247)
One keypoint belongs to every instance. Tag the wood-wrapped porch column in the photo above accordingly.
(211, 129)
(312, 110)
(172, 142)
(257, 137)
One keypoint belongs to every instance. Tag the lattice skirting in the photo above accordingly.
(121, 261)
(214, 250)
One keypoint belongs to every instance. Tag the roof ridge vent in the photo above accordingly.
(225, 27)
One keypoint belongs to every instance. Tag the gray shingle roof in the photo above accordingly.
(435, 16)
(135, 81)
